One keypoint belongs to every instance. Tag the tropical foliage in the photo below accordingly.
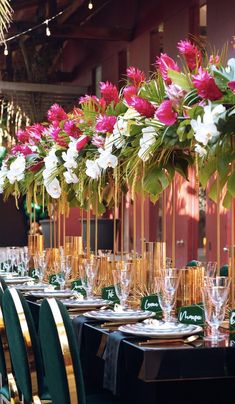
(137, 139)
(5, 17)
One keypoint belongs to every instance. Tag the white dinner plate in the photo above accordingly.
(160, 331)
(125, 315)
(18, 279)
(51, 293)
(86, 303)
(28, 288)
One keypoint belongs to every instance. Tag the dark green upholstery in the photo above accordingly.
(54, 362)
(4, 391)
(192, 263)
(2, 357)
(53, 357)
(224, 270)
(3, 283)
(18, 349)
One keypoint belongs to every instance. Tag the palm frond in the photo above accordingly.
(5, 17)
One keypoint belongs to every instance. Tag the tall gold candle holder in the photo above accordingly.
(191, 282)
(35, 243)
(154, 260)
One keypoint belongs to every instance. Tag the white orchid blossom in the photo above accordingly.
(93, 170)
(107, 159)
(70, 156)
(146, 141)
(3, 176)
(53, 188)
(70, 177)
(205, 128)
(200, 150)
(16, 170)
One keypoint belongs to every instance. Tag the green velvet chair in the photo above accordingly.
(8, 388)
(192, 263)
(224, 270)
(61, 357)
(3, 284)
(24, 348)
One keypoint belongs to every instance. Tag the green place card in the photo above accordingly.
(151, 303)
(232, 320)
(77, 286)
(32, 273)
(193, 314)
(109, 293)
(53, 280)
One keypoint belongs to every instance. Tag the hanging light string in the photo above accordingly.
(35, 27)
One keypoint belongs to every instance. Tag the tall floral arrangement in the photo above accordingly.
(183, 115)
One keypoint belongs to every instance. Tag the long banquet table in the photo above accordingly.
(165, 374)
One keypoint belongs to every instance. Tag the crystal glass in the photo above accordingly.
(214, 313)
(66, 266)
(88, 273)
(40, 263)
(210, 269)
(166, 285)
(122, 283)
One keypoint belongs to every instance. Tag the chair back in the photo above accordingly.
(23, 343)
(60, 354)
(5, 361)
(3, 285)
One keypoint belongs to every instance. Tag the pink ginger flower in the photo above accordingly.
(166, 114)
(231, 85)
(136, 75)
(98, 141)
(191, 53)
(21, 148)
(206, 86)
(22, 136)
(88, 98)
(214, 60)
(99, 103)
(175, 94)
(105, 123)
(71, 129)
(128, 93)
(82, 142)
(109, 92)
(144, 107)
(56, 113)
(35, 132)
(55, 133)
(164, 63)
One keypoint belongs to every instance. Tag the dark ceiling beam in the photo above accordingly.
(70, 10)
(95, 33)
(41, 88)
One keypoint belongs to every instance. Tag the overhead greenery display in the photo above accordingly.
(184, 115)
(5, 17)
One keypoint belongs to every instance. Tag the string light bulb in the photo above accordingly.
(48, 32)
(6, 50)
(90, 5)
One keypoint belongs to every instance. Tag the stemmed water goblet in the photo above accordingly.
(122, 277)
(215, 295)
(88, 273)
(166, 285)
(40, 263)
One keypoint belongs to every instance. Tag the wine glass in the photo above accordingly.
(166, 285)
(210, 269)
(122, 283)
(40, 261)
(214, 301)
(88, 272)
(66, 266)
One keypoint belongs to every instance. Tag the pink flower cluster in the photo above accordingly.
(136, 75)
(109, 92)
(191, 53)
(206, 86)
(105, 123)
(56, 114)
(164, 63)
